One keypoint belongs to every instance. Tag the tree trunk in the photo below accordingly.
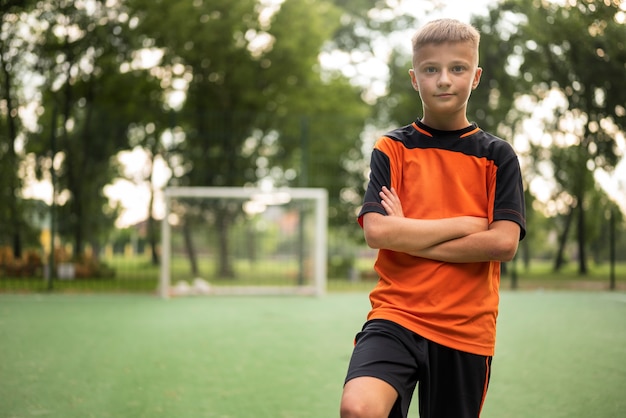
(152, 238)
(191, 252)
(66, 106)
(14, 213)
(225, 268)
(526, 254)
(559, 260)
(582, 255)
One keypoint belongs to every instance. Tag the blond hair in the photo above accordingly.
(445, 30)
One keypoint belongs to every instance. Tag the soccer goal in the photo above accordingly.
(230, 240)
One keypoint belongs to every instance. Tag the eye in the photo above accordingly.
(458, 68)
(430, 69)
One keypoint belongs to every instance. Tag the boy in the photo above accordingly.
(444, 206)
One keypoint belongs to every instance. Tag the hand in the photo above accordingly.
(391, 202)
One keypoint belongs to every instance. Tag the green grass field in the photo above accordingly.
(559, 354)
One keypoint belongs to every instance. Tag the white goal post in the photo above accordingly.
(250, 203)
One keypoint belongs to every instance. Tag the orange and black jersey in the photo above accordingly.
(443, 174)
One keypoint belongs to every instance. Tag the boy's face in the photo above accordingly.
(445, 75)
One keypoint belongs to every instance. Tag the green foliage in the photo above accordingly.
(87, 105)
(402, 104)
(578, 50)
(257, 105)
(13, 59)
(492, 105)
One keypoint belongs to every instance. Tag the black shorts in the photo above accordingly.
(452, 383)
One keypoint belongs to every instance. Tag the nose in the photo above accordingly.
(444, 78)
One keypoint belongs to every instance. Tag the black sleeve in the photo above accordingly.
(380, 175)
(509, 199)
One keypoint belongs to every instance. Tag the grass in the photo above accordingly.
(559, 354)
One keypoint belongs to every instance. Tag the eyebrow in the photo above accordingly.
(433, 62)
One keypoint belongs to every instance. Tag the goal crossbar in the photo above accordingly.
(274, 197)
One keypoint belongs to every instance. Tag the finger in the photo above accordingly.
(388, 208)
(391, 195)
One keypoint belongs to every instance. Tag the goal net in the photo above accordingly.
(227, 240)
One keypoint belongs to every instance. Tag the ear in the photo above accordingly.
(414, 80)
(476, 81)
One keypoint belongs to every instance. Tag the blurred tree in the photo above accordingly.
(14, 54)
(255, 104)
(601, 209)
(88, 105)
(577, 50)
(493, 105)
(401, 105)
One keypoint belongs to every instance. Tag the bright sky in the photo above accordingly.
(457, 9)
(134, 195)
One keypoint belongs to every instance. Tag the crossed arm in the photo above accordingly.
(461, 239)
